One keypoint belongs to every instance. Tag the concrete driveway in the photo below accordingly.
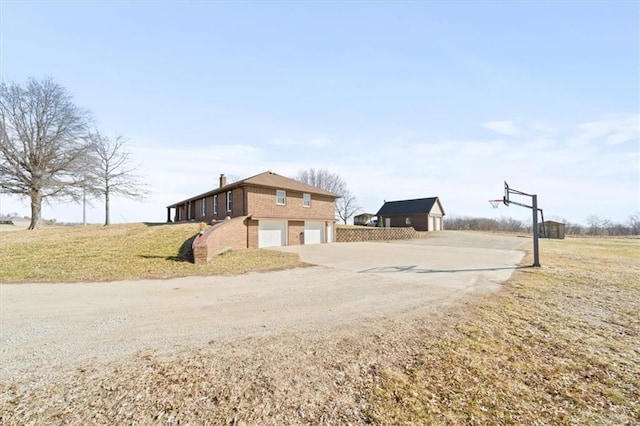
(48, 328)
(456, 259)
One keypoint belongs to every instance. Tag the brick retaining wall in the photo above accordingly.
(224, 235)
(355, 234)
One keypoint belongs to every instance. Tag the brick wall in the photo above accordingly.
(252, 233)
(257, 201)
(296, 232)
(355, 234)
(226, 235)
(262, 203)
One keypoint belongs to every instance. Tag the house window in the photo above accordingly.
(281, 197)
(215, 204)
(407, 221)
(203, 209)
(306, 200)
(229, 201)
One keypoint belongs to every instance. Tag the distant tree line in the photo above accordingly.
(595, 225)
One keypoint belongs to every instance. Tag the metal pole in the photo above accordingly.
(536, 254)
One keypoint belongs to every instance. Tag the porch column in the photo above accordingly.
(168, 214)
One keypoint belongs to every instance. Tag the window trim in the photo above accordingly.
(215, 204)
(306, 200)
(407, 221)
(229, 201)
(203, 207)
(284, 197)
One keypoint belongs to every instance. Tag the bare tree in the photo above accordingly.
(633, 223)
(113, 173)
(345, 205)
(596, 225)
(323, 179)
(42, 142)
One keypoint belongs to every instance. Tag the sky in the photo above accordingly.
(403, 100)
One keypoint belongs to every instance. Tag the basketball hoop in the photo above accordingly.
(496, 203)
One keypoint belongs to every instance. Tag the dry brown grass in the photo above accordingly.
(118, 252)
(559, 345)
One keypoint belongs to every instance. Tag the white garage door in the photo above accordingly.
(313, 232)
(272, 233)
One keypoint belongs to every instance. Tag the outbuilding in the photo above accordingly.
(422, 214)
(551, 229)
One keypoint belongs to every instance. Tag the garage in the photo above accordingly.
(272, 233)
(313, 232)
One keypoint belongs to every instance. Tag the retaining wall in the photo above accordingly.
(355, 234)
(226, 235)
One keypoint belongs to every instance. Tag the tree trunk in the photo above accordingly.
(84, 206)
(36, 210)
(107, 221)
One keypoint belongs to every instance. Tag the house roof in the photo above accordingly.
(266, 179)
(409, 207)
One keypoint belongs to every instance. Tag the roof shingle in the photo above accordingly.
(407, 207)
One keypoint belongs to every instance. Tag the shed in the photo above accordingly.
(553, 229)
(422, 214)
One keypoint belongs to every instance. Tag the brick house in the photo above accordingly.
(264, 210)
(422, 214)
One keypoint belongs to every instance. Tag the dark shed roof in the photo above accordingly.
(408, 207)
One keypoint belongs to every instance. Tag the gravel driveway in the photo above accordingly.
(47, 328)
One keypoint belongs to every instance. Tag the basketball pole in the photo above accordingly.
(536, 252)
(534, 209)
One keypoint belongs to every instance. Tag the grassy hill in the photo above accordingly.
(117, 252)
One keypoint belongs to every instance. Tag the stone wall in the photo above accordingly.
(352, 234)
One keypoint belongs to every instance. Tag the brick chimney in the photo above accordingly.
(223, 180)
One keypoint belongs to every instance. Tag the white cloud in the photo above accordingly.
(507, 128)
(319, 142)
(614, 131)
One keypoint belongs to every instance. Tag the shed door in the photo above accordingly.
(272, 233)
(313, 232)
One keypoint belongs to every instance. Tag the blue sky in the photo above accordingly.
(402, 99)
